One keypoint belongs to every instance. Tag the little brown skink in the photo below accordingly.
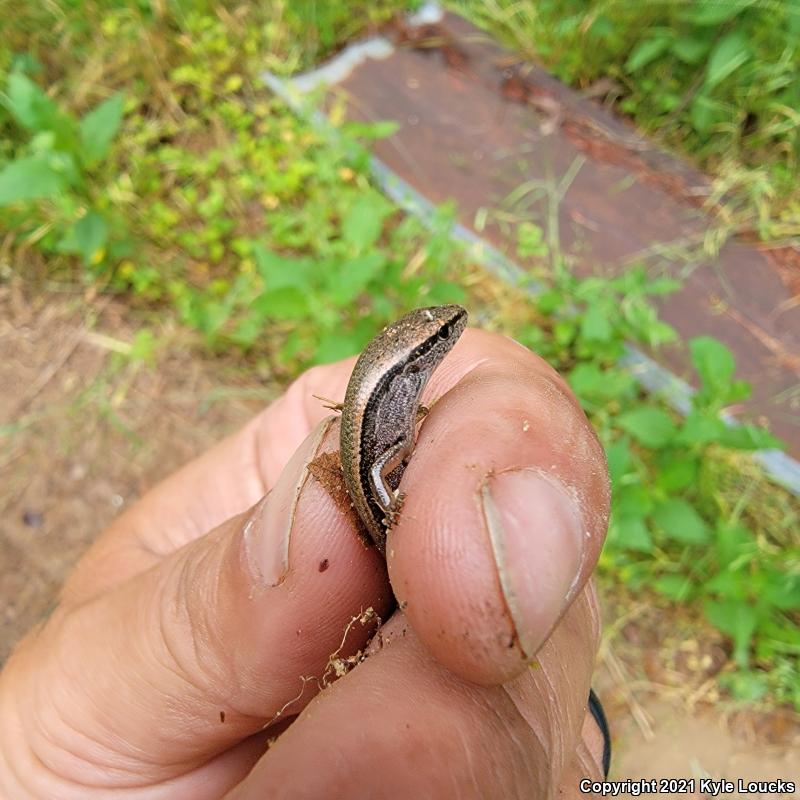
(380, 409)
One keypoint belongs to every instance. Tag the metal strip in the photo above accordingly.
(781, 467)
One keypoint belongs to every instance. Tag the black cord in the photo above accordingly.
(596, 708)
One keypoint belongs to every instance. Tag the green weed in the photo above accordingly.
(221, 202)
(141, 151)
(715, 80)
(672, 530)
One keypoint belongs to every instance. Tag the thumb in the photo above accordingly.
(210, 645)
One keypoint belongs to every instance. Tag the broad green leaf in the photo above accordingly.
(363, 222)
(632, 534)
(646, 51)
(680, 522)
(285, 303)
(782, 591)
(749, 685)
(32, 178)
(348, 280)
(618, 456)
(596, 326)
(714, 12)
(733, 542)
(248, 330)
(731, 584)
(729, 53)
(659, 333)
(564, 331)
(26, 62)
(662, 286)
(278, 272)
(651, 427)
(602, 27)
(443, 292)
(690, 50)
(335, 346)
(297, 341)
(594, 384)
(713, 361)
(699, 428)
(550, 301)
(633, 500)
(42, 143)
(34, 110)
(737, 620)
(703, 113)
(87, 237)
(749, 437)
(211, 315)
(99, 126)
(28, 103)
(676, 587)
(677, 472)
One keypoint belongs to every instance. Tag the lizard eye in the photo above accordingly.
(444, 331)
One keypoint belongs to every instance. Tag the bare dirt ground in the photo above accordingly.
(658, 678)
(85, 429)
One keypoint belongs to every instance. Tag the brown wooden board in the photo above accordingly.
(476, 125)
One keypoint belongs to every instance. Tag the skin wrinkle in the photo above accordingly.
(516, 696)
(554, 744)
(469, 767)
(28, 742)
(570, 779)
(589, 765)
(535, 730)
(544, 678)
(58, 742)
(215, 633)
(514, 729)
(150, 548)
(592, 606)
(175, 665)
(169, 633)
(521, 747)
(506, 739)
(103, 754)
(221, 674)
(12, 767)
(559, 718)
(200, 672)
(47, 771)
(507, 730)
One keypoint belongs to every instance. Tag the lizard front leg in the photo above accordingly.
(389, 501)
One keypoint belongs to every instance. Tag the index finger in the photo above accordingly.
(505, 511)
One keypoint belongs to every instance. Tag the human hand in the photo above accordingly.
(199, 627)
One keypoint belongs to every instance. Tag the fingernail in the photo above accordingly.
(268, 530)
(538, 540)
